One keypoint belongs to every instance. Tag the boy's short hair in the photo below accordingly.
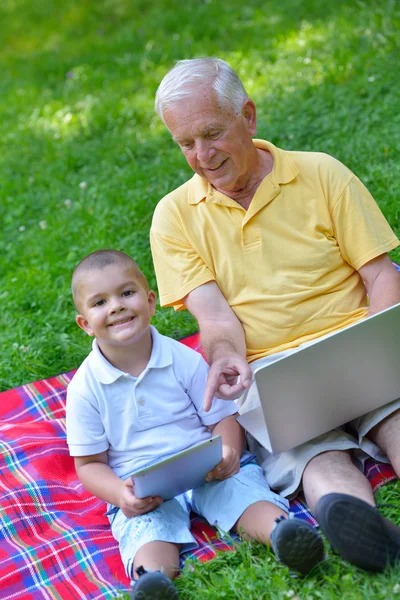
(100, 259)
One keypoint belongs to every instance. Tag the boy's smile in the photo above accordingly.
(114, 305)
(121, 322)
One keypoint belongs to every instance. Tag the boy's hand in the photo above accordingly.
(132, 506)
(229, 465)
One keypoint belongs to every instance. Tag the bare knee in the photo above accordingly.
(158, 556)
(333, 472)
(328, 463)
(257, 521)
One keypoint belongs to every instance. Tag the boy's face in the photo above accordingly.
(114, 305)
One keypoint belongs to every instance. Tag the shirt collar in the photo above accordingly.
(284, 171)
(105, 372)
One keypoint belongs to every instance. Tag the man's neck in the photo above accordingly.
(131, 358)
(244, 195)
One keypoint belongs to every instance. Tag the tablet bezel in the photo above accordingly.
(157, 479)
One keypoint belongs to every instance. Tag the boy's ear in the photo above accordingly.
(83, 324)
(152, 299)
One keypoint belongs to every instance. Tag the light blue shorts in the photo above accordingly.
(221, 503)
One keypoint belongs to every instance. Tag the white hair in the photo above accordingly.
(189, 76)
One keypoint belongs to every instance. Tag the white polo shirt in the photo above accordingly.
(140, 420)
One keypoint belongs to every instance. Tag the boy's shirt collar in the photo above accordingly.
(106, 373)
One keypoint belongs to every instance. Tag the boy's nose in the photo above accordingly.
(116, 306)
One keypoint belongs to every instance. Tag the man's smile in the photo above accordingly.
(216, 166)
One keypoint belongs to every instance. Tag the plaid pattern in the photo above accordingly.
(55, 542)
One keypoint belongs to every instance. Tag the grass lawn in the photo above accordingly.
(84, 160)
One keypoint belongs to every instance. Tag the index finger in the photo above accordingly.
(225, 390)
(211, 388)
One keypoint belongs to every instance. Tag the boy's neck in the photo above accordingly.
(130, 358)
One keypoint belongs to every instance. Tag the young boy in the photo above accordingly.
(137, 398)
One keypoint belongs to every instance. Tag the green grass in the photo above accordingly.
(77, 88)
(76, 100)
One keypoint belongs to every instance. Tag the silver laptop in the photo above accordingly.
(340, 377)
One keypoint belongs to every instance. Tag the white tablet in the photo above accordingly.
(179, 473)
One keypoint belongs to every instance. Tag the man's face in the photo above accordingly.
(216, 142)
(114, 306)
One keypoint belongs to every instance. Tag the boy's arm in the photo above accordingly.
(233, 438)
(97, 477)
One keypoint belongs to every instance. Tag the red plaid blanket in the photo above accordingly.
(55, 541)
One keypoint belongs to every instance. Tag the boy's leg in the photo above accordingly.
(258, 520)
(153, 541)
(296, 543)
(158, 556)
(155, 564)
(244, 502)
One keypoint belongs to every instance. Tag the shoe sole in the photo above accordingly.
(156, 587)
(299, 546)
(357, 532)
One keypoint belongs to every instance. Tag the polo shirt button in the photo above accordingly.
(141, 402)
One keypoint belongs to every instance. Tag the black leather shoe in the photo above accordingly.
(297, 544)
(153, 585)
(358, 532)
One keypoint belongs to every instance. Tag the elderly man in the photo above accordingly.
(269, 249)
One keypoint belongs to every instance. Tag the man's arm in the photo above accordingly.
(382, 282)
(222, 338)
(233, 439)
(97, 477)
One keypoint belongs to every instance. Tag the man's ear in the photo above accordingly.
(83, 324)
(152, 300)
(249, 113)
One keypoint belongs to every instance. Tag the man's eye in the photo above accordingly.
(213, 135)
(128, 292)
(187, 145)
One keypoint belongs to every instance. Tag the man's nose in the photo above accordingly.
(204, 150)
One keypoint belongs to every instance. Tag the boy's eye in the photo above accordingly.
(99, 303)
(128, 292)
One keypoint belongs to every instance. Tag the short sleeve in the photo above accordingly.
(179, 268)
(85, 431)
(220, 409)
(361, 229)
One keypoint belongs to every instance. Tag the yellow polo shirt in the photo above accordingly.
(288, 265)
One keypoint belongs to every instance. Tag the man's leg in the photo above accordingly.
(331, 472)
(343, 503)
(386, 435)
(338, 494)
